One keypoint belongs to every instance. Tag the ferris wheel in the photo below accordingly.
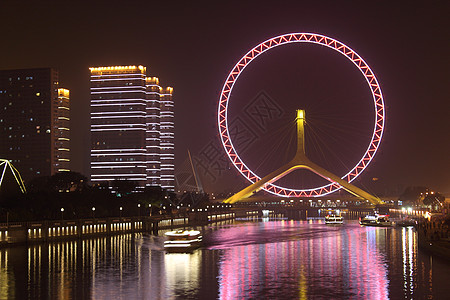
(316, 39)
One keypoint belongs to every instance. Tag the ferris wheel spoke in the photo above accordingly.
(300, 38)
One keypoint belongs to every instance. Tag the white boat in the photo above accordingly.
(334, 219)
(376, 220)
(182, 240)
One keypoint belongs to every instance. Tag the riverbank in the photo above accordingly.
(434, 236)
(17, 233)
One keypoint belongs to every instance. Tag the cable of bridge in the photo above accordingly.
(283, 137)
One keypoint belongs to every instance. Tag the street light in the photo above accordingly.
(120, 209)
(62, 213)
(139, 210)
(93, 212)
(150, 209)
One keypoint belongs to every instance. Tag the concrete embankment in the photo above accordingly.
(17, 233)
(434, 237)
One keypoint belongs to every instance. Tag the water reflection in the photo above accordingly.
(247, 260)
(409, 260)
(182, 273)
(4, 275)
(314, 260)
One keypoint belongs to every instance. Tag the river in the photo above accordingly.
(265, 259)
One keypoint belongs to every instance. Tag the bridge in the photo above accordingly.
(4, 166)
(301, 161)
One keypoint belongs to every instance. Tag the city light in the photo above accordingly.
(85, 134)
(149, 110)
(300, 38)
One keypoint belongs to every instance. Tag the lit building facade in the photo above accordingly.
(128, 138)
(167, 127)
(34, 122)
(61, 132)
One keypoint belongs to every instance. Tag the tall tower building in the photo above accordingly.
(167, 139)
(61, 132)
(34, 122)
(126, 112)
(153, 133)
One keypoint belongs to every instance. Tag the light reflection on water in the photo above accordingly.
(243, 260)
(309, 260)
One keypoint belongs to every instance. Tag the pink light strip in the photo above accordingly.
(301, 38)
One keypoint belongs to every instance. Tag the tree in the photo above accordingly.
(59, 182)
(124, 187)
(413, 194)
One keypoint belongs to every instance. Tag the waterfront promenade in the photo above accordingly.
(434, 236)
(15, 233)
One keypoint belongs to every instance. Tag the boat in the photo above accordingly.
(334, 219)
(182, 240)
(376, 220)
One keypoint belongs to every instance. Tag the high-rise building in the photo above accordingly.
(34, 122)
(132, 127)
(167, 139)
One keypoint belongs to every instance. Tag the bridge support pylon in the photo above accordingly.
(300, 161)
(6, 164)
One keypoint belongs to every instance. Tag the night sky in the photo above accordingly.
(192, 46)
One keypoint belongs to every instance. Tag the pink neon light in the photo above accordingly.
(301, 38)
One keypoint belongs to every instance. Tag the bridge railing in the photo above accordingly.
(53, 230)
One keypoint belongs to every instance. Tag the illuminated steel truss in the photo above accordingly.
(312, 39)
(6, 164)
(300, 161)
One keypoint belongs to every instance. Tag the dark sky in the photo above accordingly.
(193, 45)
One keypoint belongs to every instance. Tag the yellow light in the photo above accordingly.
(63, 92)
(300, 114)
(117, 68)
(153, 80)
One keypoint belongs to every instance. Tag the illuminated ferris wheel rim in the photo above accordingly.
(301, 38)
